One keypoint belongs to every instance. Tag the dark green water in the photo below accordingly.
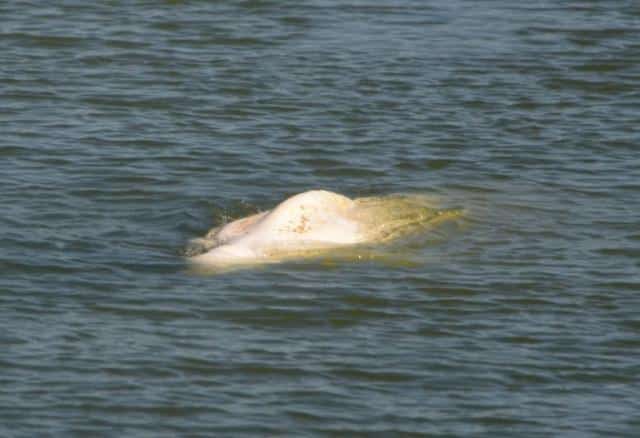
(127, 128)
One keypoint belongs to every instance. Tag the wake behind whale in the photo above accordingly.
(314, 223)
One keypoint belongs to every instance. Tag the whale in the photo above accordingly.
(313, 223)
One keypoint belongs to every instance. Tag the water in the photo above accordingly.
(127, 129)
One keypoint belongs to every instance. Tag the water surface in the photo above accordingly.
(127, 129)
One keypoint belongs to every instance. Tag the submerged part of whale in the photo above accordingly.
(311, 223)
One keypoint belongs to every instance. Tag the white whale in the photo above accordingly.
(311, 223)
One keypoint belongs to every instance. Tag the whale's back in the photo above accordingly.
(318, 222)
(316, 216)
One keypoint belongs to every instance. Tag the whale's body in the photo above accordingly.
(307, 223)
